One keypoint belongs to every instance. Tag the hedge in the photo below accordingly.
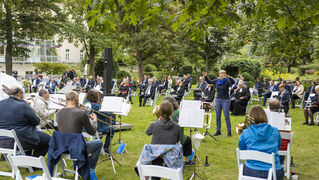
(187, 70)
(50, 68)
(234, 67)
(150, 68)
(302, 69)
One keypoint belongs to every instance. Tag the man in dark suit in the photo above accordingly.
(51, 85)
(147, 92)
(83, 81)
(284, 98)
(186, 81)
(90, 84)
(35, 82)
(18, 115)
(272, 87)
(240, 99)
(179, 92)
(209, 93)
(200, 88)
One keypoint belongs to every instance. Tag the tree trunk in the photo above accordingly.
(139, 64)
(289, 68)
(9, 40)
(92, 59)
(206, 63)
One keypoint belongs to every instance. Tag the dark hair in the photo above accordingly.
(173, 101)
(258, 114)
(42, 92)
(93, 96)
(15, 91)
(166, 110)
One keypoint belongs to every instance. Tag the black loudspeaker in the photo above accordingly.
(107, 73)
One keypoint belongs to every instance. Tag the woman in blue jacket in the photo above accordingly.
(262, 137)
(223, 83)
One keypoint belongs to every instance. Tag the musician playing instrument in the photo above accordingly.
(260, 136)
(18, 115)
(71, 119)
(42, 109)
(93, 97)
(313, 108)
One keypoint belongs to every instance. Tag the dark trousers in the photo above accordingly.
(266, 95)
(238, 107)
(197, 94)
(262, 174)
(293, 99)
(187, 147)
(42, 148)
(159, 162)
(109, 136)
(285, 107)
(145, 96)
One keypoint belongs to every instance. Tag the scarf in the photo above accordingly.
(221, 82)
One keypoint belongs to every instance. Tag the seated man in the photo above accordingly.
(209, 93)
(51, 85)
(35, 82)
(200, 88)
(147, 92)
(314, 107)
(179, 92)
(258, 89)
(90, 84)
(41, 108)
(284, 98)
(240, 99)
(18, 115)
(272, 87)
(71, 119)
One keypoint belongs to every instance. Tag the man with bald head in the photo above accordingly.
(18, 115)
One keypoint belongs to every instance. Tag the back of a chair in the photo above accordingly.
(159, 171)
(274, 93)
(27, 161)
(17, 144)
(256, 156)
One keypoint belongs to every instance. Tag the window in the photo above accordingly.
(67, 54)
(81, 55)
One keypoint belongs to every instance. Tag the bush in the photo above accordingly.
(150, 68)
(122, 74)
(195, 79)
(212, 76)
(247, 76)
(308, 69)
(187, 70)
(234, 67)
(50, 68)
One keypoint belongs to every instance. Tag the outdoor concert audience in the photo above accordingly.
(311, 90)
(223, 83)
(240, 99)
(71, 119)
(186, 80)
(93, 97)
(258, 88)
(297, 93)
(18, 115)
(41, 108)
(133, 84)
(35, 82)
(262, 137)
(163, 86)
(72, 74)
(272, 87)
(83, 81)
(201, 87)
(179, 92)
(287, 87)
(99, 84)
(312, 108)
(51, 85)
(284, 98)
(124, 88)
(170, 81)
(147, 92)
(90, 84)
(265, 84)
(209, 93)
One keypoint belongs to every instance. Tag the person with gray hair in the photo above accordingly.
(18, 115)
(42, 109)
(313, 108)
(240, 99)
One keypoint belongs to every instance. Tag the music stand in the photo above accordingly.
(192, 116)
(207, 107)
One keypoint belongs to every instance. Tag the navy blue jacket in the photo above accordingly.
(75, 145)
(18, 115)
(275, 88)
(54, 85)
(222, 90)
(37, 81)
(284, 100)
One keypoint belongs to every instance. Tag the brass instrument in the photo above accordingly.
(244, 125)
(156, 112)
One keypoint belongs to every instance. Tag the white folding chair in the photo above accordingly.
(64, 157)
(22, 161)
(253, 96)
(256, 156)
(273, 94)
(17, 149)
(299, 102)
(152, 102)
(97, 136)
(148, 171)
(308, 101)
(287, 153)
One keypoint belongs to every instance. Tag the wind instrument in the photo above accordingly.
(156, 112)
(244, 125)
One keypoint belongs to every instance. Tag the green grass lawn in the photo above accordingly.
(221, 153)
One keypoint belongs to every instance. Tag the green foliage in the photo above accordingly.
(213, 76)
(99, 68)
(235, 66)
(302, 69)
(122, 74)
(187, 70)
(150, 68)
(247, 76)
(50, 68)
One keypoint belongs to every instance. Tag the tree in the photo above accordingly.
(26, 20)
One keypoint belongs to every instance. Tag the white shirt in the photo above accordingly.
(8, 81)
(148, 91)
(35, 82)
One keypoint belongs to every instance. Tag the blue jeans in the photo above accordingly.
(262, 174)
(222, 104)
(94, 149)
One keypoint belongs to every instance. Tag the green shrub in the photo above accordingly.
(309, 67)
(247, 76)
(122, 74)
(151, 74)
(212, 76)
(150, 68)
(235, 66)
(187, 70)
(195, 79)
(50, 68)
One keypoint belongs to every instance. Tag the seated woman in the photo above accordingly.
(93, 97)
(284, 98)
(262, 137)
(313, 108)
(240, 99)
(179, 92)
(297, 93)
(184, 140)
(164, 130)
(124, 88)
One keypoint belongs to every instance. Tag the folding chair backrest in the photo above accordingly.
(27, 161)
(274, 93)
(17, 144)
(159, 171)
(287, 136)
(311, 96)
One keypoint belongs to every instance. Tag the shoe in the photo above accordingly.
(217, 133)
(311, 123)
(140, 105)
(305, 123)
(189, 163)
(229, 134)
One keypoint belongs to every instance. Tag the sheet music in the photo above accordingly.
(56, 98)
(112, 104)
(191, 118)
(125, 109)
(277, 120)
(190, 105)
(66, 89)
(81, 98)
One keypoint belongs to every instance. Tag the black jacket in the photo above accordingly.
(210, 94)
(153, 88)
(244, 93)
(284, 100)
(164, 131)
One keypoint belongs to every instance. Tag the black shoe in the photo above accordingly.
(305, 123)
(217, 133)
(189, 163)
(140, 105)
(311, 123)
(229, 134)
